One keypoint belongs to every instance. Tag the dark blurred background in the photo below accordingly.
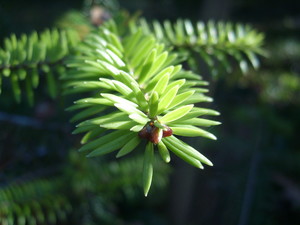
(256, 175)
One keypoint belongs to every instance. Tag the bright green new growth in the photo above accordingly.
(135, 82)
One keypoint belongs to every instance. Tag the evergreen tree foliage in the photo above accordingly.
(54, 200)
(133, 90)
(23, 61)
(216, 43)
(152, 94)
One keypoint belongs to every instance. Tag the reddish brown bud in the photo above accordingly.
(144, 134)
(167, 132)
(153, 133)
(155, 136)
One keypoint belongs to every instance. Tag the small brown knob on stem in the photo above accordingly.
(153, 133)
